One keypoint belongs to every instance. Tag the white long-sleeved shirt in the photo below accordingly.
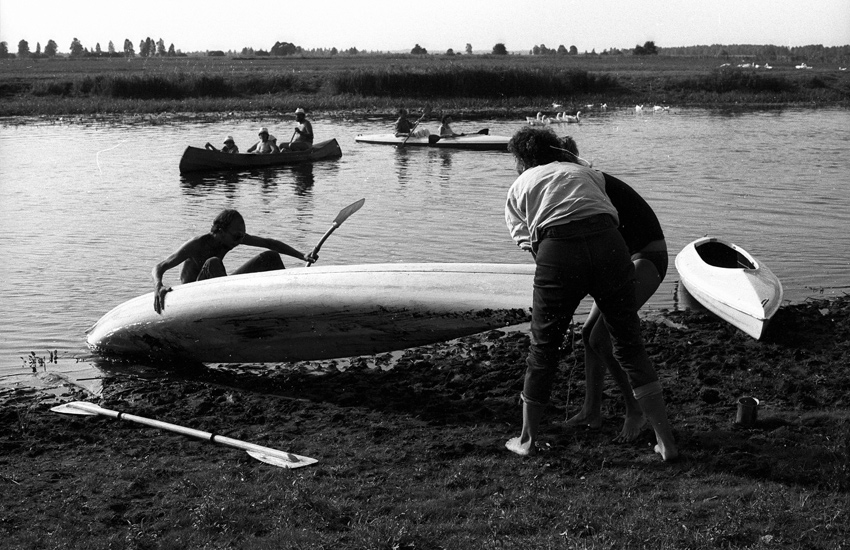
(554, 194)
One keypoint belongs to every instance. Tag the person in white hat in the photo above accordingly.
(302, 137)
(264, 146)
(229, 146)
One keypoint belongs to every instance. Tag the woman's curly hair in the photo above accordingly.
(535, 146)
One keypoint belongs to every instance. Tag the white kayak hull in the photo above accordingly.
(730, 283)
(318, 312)
(473, 142)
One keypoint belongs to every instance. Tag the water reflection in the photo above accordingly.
(402, 164)
(200, 180)
(303, 178)
(203, 183)
(445, 165)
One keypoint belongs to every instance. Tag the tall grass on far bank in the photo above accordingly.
(378, 82)
(173, 86)
(473, 82)
(483, 89)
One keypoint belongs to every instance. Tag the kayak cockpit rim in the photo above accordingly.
(717, 253)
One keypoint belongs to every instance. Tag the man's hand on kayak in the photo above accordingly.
(159, 297)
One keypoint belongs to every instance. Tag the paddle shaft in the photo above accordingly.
(220, 439)
(410, 133)
(88, 407)
(341, 217)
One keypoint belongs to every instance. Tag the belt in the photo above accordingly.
(596, 222)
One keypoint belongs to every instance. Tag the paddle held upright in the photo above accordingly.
(341, 217)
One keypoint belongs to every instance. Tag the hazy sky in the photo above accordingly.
(436, 25)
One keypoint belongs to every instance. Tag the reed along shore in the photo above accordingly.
(474, 86)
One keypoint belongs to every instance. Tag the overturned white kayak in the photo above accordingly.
(730, 283)
(474, 142)
(318, 312)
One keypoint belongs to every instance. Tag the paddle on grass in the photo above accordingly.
(341, 217)
(425, 113)
(281, 459)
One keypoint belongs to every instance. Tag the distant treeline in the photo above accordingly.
(809, 54)
(815, 53)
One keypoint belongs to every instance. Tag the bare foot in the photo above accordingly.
(515, 445)
(667, 453)
(584, 420)
(631, 428)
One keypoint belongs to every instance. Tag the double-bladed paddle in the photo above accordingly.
(483, 132)
(282, 459)
(425, 113)
(341, 217)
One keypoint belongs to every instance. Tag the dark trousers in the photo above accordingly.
(574, 260)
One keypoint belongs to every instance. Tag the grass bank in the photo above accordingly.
(488, 86)
(413, 457)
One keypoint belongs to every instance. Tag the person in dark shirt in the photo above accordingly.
(403, 126)
(644, 237)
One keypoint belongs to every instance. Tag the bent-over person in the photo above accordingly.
(203, 256)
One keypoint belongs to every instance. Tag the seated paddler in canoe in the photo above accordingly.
(266, 145)
(229, 146)
(203, 256)
(302, 136)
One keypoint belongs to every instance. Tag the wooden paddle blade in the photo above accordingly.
(283, 460)
(77, 407)
(347, 211)
(341, 217)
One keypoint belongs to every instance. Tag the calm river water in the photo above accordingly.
(87, 209)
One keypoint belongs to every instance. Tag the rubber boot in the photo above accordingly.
(525, 444)
(651, 401)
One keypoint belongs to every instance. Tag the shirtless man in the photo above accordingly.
(202, 257)
(303, 141)
(266, 145)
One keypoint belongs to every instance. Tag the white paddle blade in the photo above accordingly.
(77, 407)
(283, 459)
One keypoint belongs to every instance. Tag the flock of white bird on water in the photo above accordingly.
(767, 66)
(562, 117)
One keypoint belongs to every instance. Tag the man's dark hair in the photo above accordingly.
(224, 219)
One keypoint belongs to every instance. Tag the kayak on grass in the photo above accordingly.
(730, 283)
(315, 313)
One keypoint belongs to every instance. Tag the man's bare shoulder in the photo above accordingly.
(198, 245)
